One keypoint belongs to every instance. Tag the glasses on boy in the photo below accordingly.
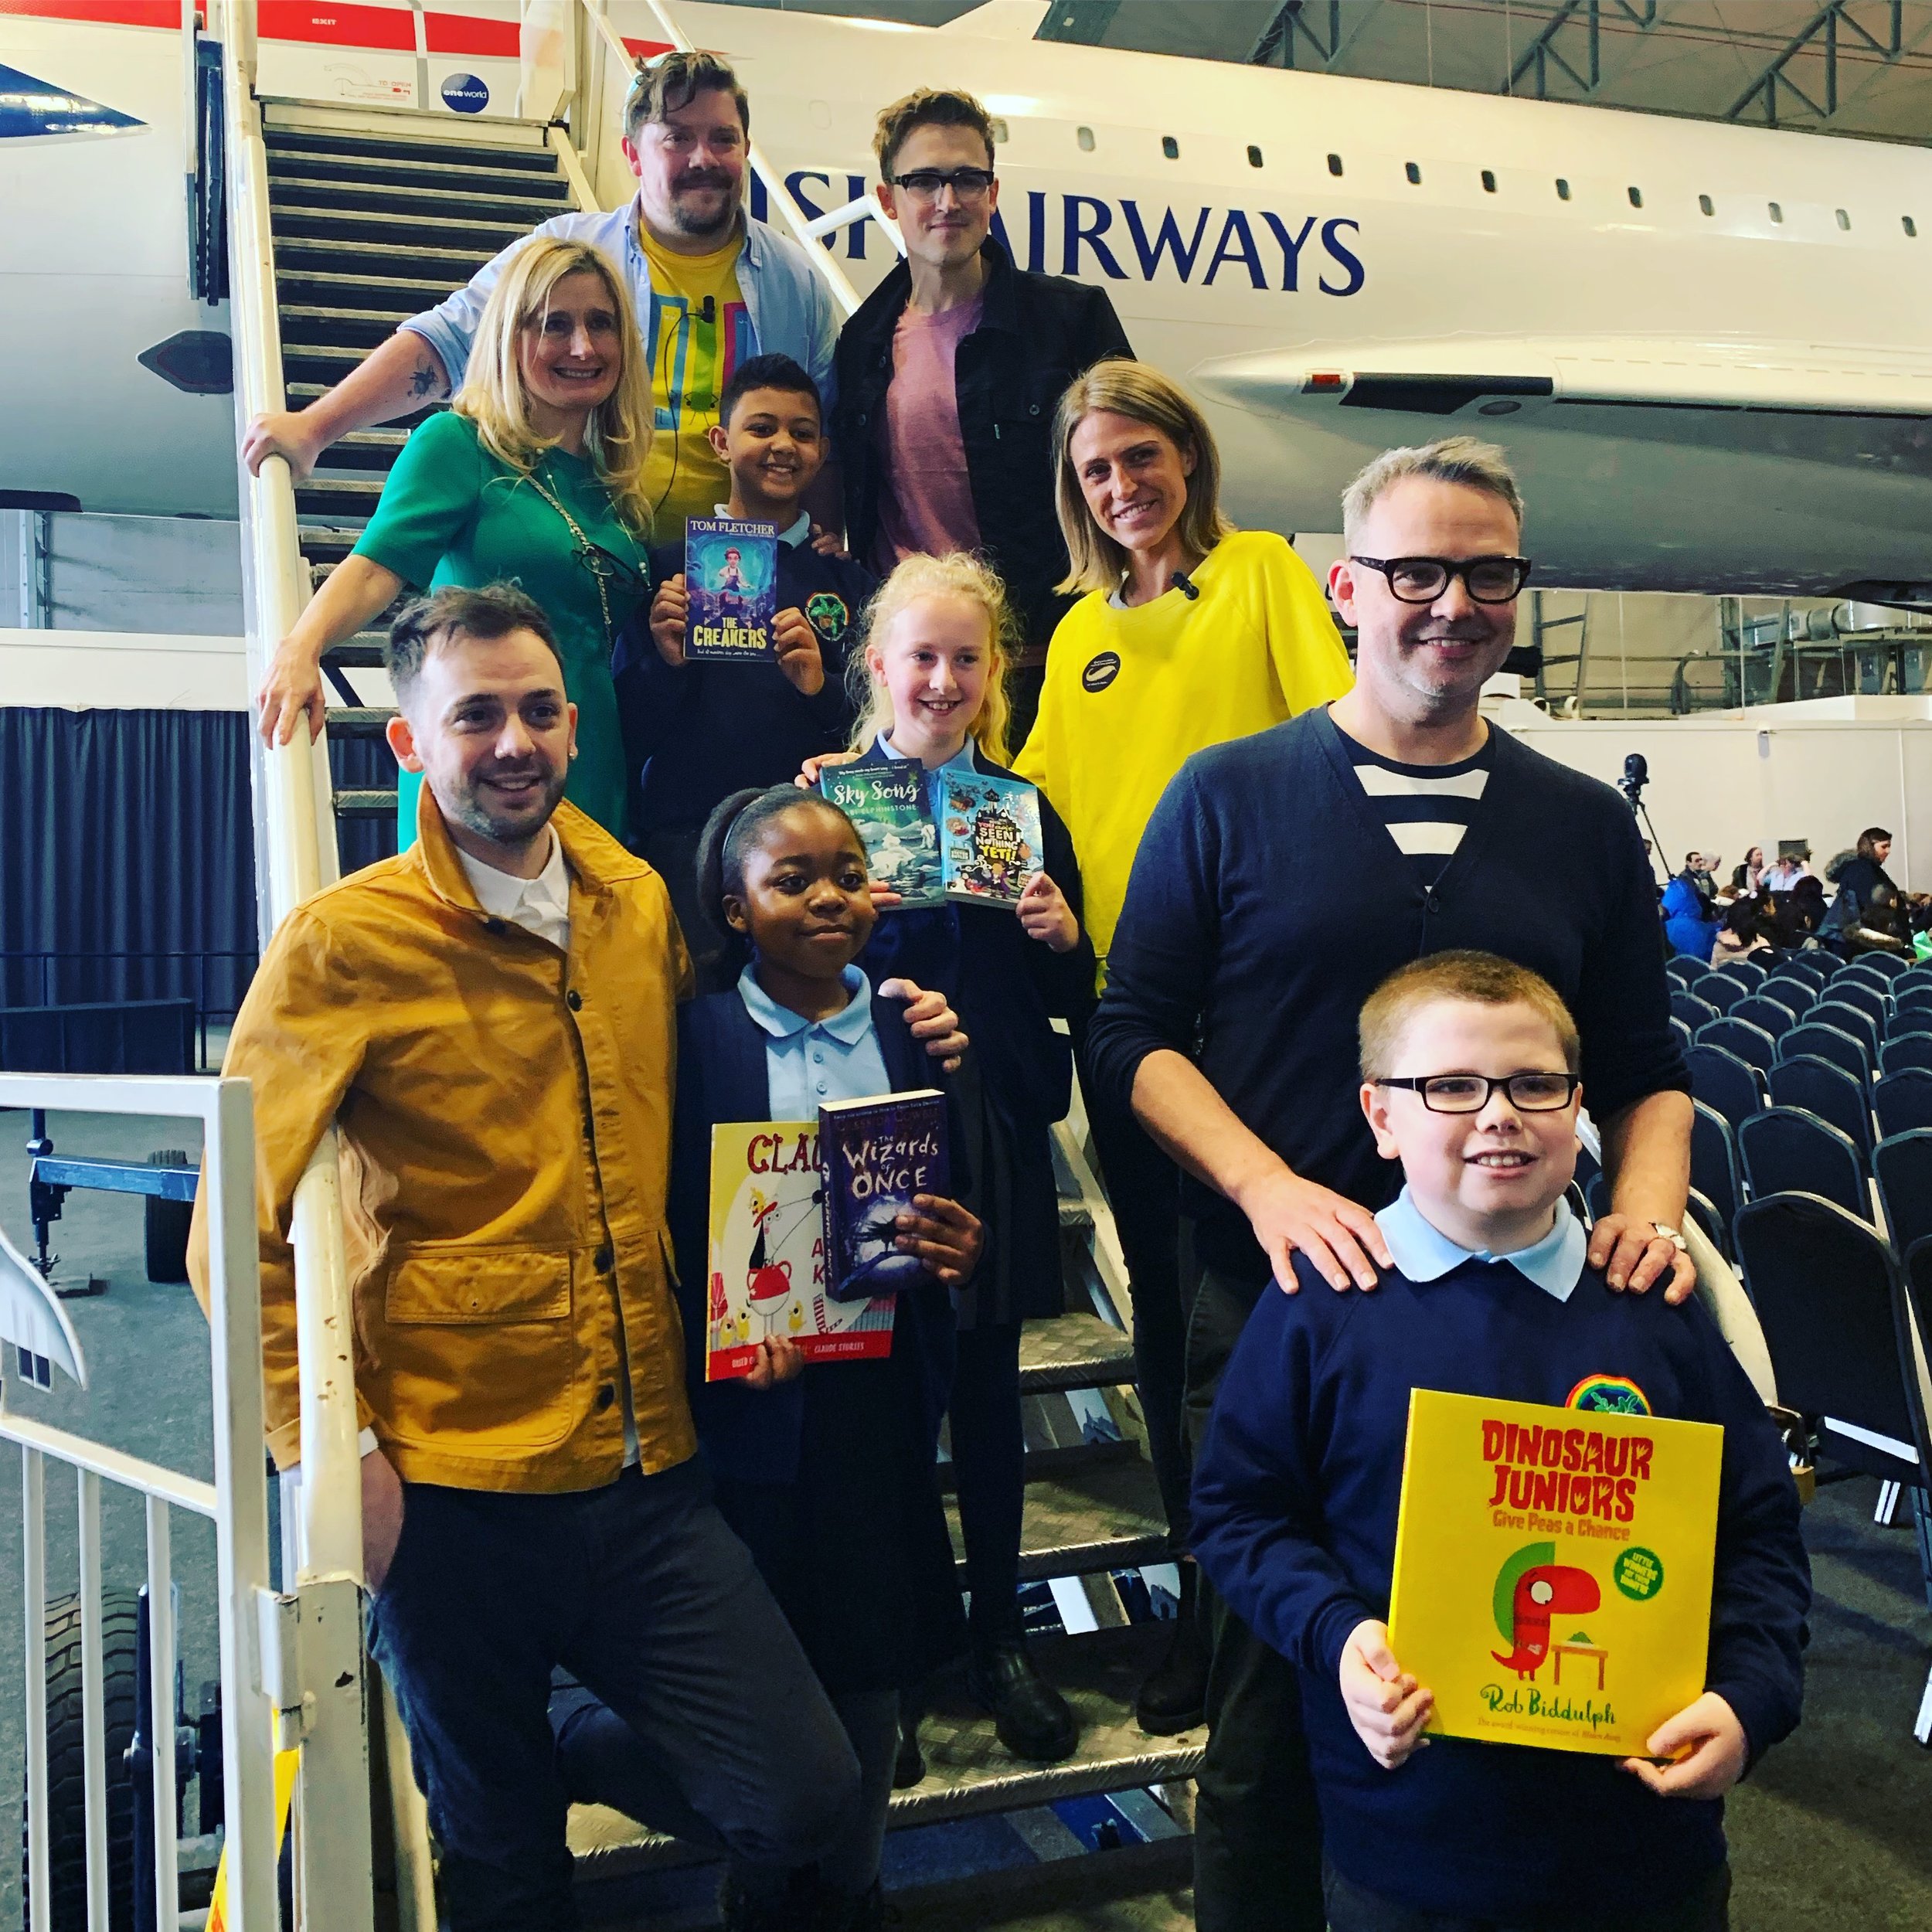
(1469, 1093)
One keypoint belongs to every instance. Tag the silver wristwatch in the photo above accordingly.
(1674, 1236)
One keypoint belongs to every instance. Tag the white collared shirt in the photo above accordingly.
(790, 537)
(541, 905)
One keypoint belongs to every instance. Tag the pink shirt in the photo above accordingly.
(925, 501)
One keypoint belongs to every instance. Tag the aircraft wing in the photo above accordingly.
(1496, 377)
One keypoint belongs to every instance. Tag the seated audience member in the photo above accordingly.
(1697, 870)
(699, 732)
(1747, 879)
(1881, 926)
(1743, 931)
(1688, 923)
(1296, 1497)
(1792, 864)
(1799, 914)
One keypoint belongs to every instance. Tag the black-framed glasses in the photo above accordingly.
(1469, 1093)
(967, 184)
(1421, 579)
(608, 567)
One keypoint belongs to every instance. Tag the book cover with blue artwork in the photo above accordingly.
(731, 589)
(876, 1155)
(887, 804)
(766, 1267)
(989, 837)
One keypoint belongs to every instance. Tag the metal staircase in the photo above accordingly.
(374, 216)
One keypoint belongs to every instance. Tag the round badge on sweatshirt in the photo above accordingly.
(1101, 671)
(1609, 1395)
(827, 615)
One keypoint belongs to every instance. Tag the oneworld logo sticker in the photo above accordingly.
(465, 93)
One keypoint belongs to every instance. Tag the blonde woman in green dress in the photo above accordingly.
(535, 474)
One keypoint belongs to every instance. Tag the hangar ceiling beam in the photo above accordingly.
(1543, 54)
(1822, 33)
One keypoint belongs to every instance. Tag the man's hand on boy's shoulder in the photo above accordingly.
(1713, 1749)
(1338, 1236)
(1387, 1707)
(1633, 1255)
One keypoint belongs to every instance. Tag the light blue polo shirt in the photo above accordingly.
(808, 1062)
(1423, 1252)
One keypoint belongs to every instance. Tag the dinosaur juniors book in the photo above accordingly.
(989, 837)
(878, 1155)
(887, 803)
(766, 1264)
(731, 589)
(1552, 1577)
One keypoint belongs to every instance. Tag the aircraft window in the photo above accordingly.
(1170, 148)
(1488, 182)
(1636, 196)
(1844, 219)
(1085, 137)
(1000, 135)
(1911, 227)
(1254, 157)
(1414, 174)
(1562, 189)
(1335, 164)
(1704, 202)
(1777, 214)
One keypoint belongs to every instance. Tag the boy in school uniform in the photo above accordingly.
(694, 733)
(1468, 1065)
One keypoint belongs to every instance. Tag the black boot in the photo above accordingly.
(909, 1767)
(1033, 1720)
(1174, 1695)
(802, 1906)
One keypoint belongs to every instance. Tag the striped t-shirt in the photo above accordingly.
(1426, 808)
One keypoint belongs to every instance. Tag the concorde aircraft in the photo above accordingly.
(1702, 345)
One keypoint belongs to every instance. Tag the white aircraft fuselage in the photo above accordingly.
(1701, 344)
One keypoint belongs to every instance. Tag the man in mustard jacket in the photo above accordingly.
(490, 1018)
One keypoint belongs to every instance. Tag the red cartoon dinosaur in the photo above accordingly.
(1543, 1591)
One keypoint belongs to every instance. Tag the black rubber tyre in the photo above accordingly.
(66, 1776)
(166, 1226)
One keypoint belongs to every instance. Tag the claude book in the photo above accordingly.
(731, 589)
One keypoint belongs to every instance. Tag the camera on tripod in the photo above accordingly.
(1636, 776)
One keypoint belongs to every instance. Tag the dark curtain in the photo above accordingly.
(129, 854)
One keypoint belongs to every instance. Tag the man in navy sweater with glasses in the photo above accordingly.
(1244, 953)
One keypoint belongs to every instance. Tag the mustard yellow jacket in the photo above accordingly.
(505, 1118)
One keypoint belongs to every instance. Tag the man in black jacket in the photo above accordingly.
(949, 373)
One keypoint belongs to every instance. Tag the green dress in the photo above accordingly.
(452, 513)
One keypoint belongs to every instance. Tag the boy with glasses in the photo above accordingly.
(1469, 1079)
(949, 373)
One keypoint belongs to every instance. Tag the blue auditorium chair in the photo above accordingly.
(1891, 965)
(1714, 1172)
(1725, 1082)
(1789, 1150)
(1683, 969)
(1794, 989)
(1682, 1031)
(1850, 990)
(1827, 1042)
(1704, 1211)
(1912, 996)
(1723, 990)
(1765, 1010)
(1828, 1091)
(1912, 1049)
(1832, 1011)
(1902, 1163)
(1751, 1044)
(1753, 972)
(1903, 1100)
(1693, 1012)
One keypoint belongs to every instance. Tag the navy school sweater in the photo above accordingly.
(1296, 1496)
(1268, 900)
(692, 737)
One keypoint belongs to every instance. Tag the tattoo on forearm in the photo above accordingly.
(426, 378)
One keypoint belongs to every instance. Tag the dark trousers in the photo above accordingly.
(1706, 1908)
(1144, 1187)
(640, 1591)
(1257, 1830)
(989, 1473)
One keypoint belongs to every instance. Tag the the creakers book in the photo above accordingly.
(979, 846)
(1553, 1568)
(731, 589)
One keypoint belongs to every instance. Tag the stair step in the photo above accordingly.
(339, 497)
(307, 189)
(323, 547)
(1073, 1352)
(969, 1772)
(362, 652)
(332, 158)
(301, 394)
(395, 296)
(447, 268)
(363, 450)
(359, 328)
(1051, 1464)
(1105, 1516)
(291, 127)
(358, 721)
(306, 222)
(354, 802)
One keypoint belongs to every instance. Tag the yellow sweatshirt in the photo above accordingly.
(1131, 693)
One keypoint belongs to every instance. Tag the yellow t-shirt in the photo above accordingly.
(1131, 693)
(699, 333)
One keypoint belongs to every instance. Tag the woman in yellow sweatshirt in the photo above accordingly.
(1190, 633)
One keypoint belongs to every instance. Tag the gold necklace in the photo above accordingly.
(591, 555)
